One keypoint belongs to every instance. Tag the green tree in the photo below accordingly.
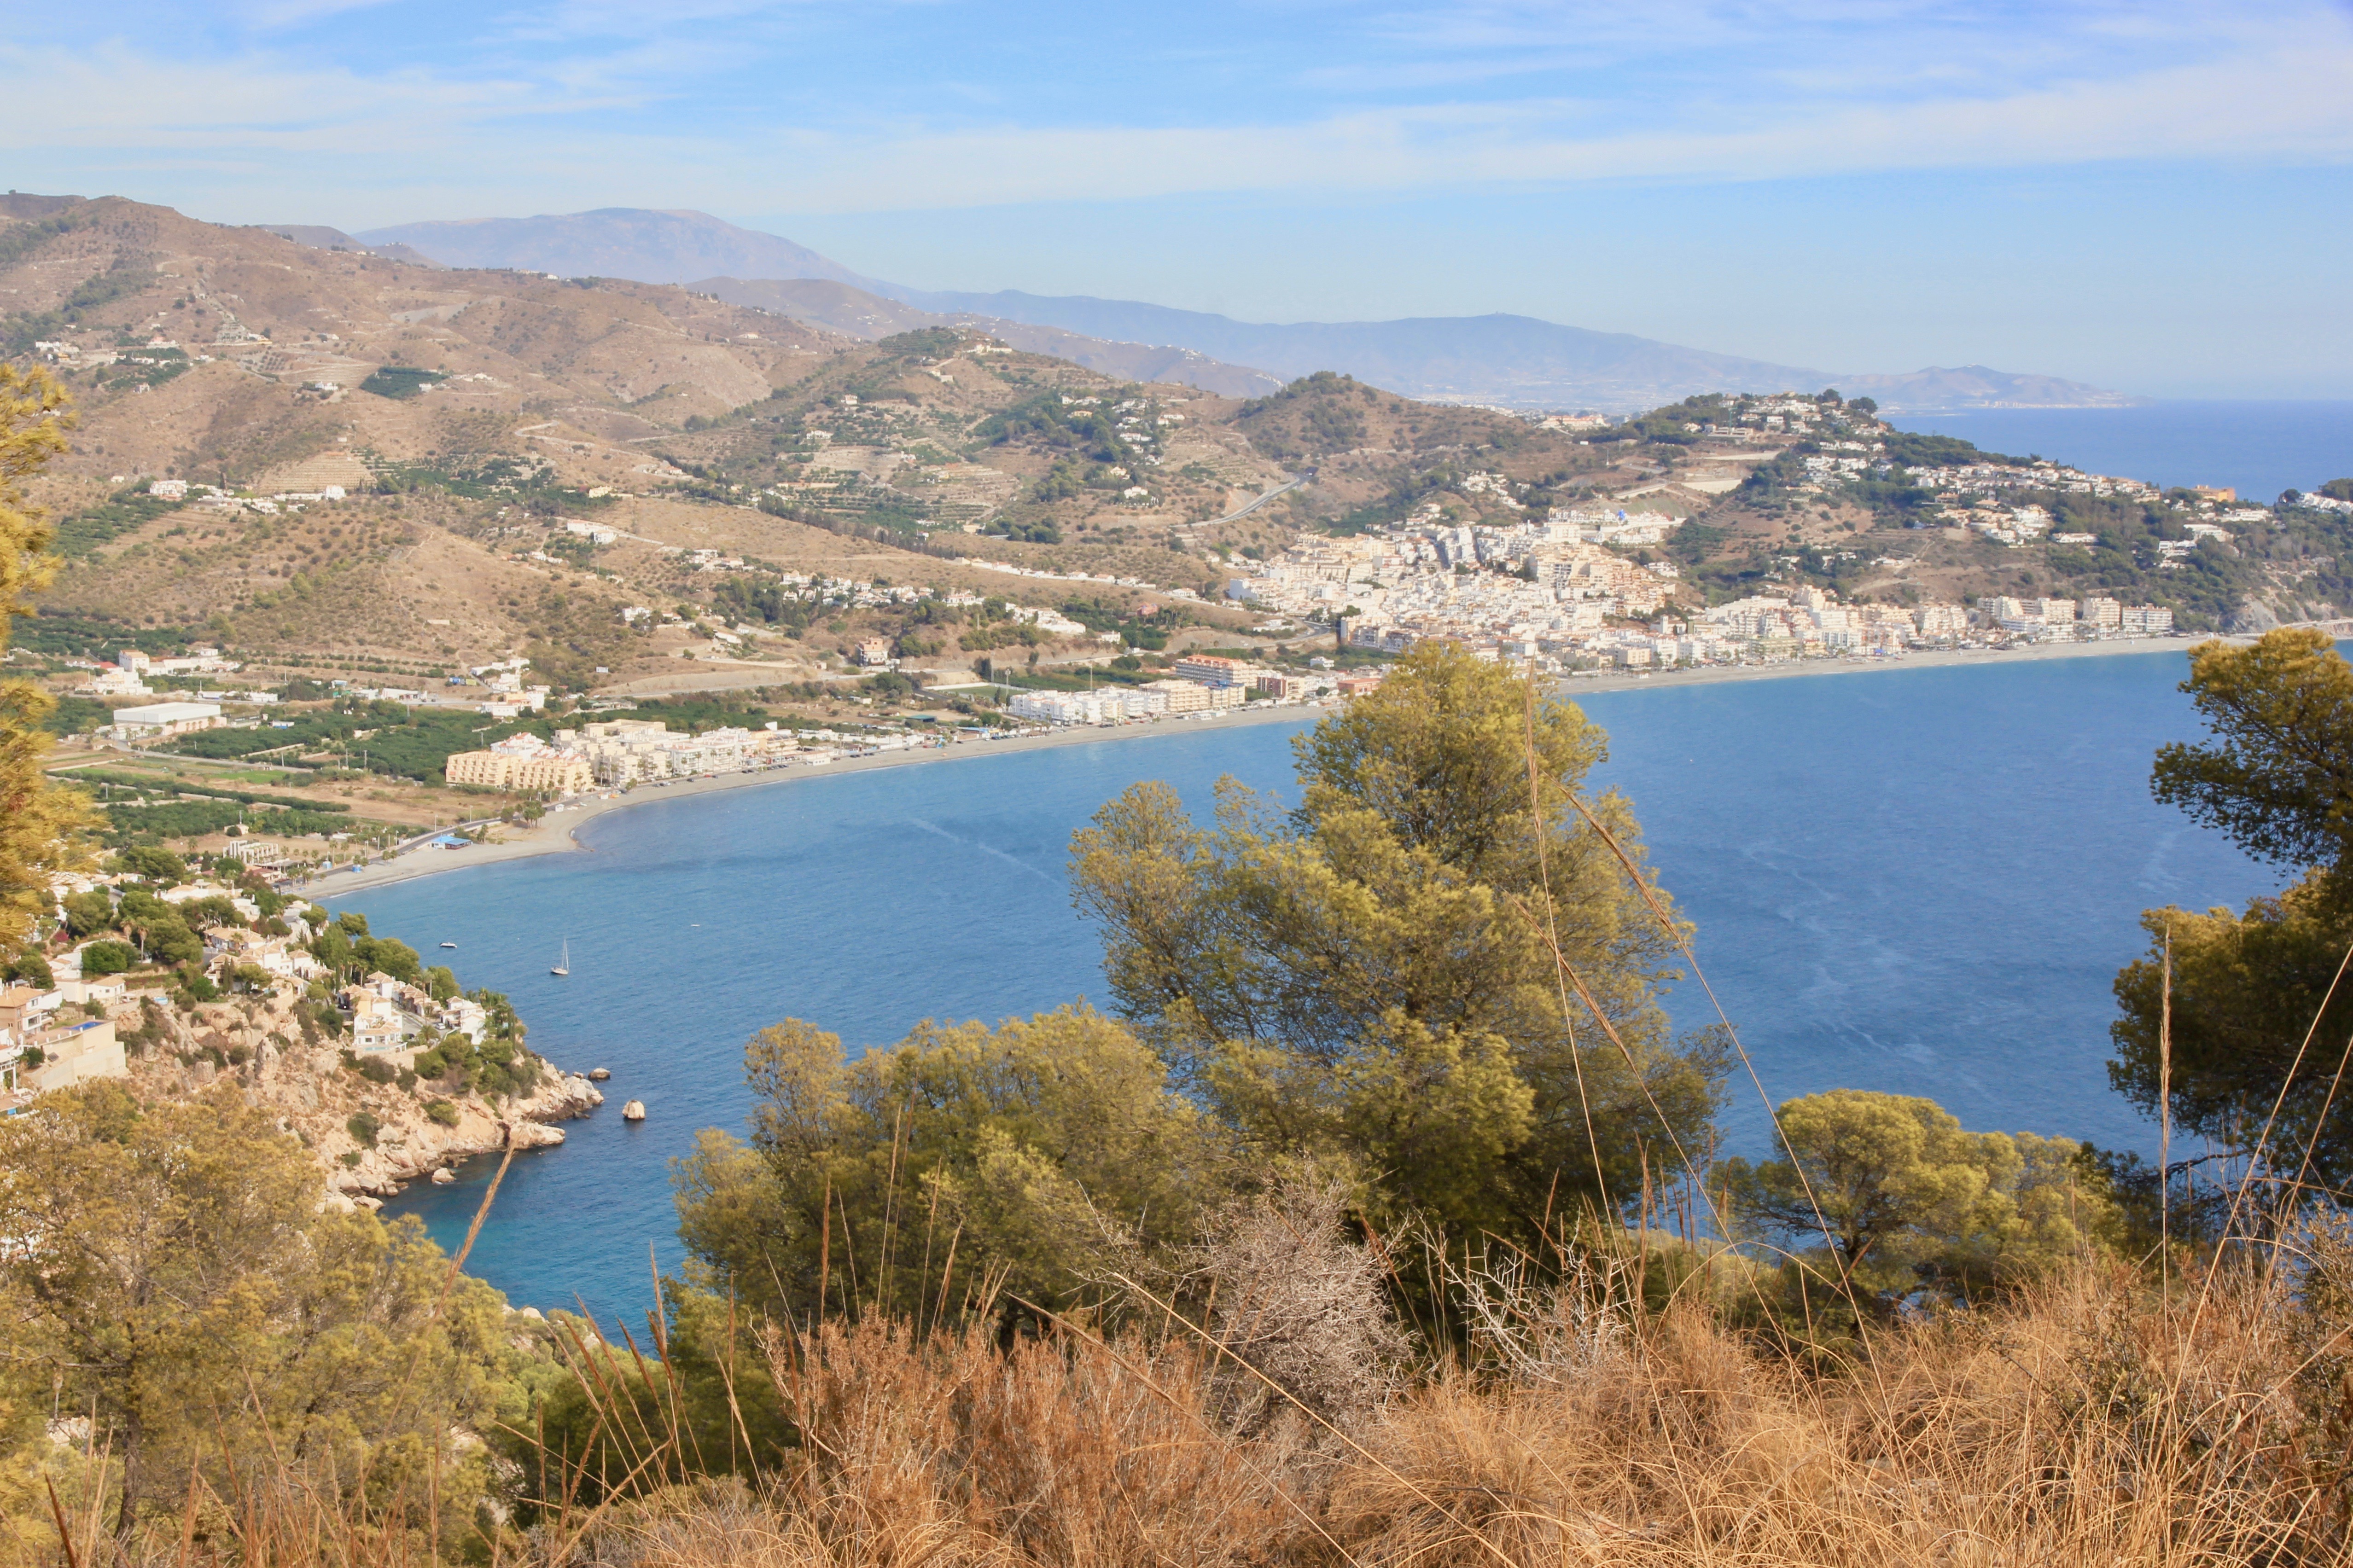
(2253, 991)
(89, 914)
(1435, 973)
(1035, 1153)
(172, 1272)
(1901, 1194)
(388, 955)
(160, 867)
(2278, 775)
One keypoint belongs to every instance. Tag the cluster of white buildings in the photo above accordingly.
(387, 1015)
(1011, 570)
(127, 676)
(1111, 704)
(55, 1038)
(217, 498)
(1201, 683)
(2067, 620)
(1553, 580)
(1986, 481)
(618, 752)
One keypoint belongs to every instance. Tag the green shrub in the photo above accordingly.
(364, 1127)
(376, 1069)
(441, 1113)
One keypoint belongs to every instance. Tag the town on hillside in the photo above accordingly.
(363, 557)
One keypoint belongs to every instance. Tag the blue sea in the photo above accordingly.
(2258, 449)
(1917, 880)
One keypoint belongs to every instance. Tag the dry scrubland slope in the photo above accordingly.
(875, 444)
(680, 404)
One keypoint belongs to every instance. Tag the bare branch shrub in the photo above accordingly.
(1294, 1303)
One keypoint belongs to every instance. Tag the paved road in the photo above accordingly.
(1289, 485)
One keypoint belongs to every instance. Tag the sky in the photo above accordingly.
(2148, 195)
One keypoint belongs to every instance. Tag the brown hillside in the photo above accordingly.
(468, 414)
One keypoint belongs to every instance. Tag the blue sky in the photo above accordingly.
(2149, 195)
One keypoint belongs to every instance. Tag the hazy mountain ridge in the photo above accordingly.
(856, 314)
(747, 267)
(1977, 386)
(635, 243)
(1503, 359)
(319, 236)
(1511, 360)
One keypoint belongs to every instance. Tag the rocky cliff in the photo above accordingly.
(371, 1134)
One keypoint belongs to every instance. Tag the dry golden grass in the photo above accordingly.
(2087, 1423)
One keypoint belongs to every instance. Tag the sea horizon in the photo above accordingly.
(2258, 446)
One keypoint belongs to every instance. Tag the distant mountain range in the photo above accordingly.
(1516, 362)
(319, 236)
(860, 314)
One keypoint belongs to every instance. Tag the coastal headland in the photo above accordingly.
(558, 832)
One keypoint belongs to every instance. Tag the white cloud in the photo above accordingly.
(2289, 107)
(587, 129)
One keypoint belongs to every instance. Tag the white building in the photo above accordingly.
(156, 721)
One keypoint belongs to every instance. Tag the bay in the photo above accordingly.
(1919, 880)
(2258, 449)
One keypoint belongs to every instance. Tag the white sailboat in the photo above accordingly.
(563, 965)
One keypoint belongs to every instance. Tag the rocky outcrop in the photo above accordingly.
(370, 1139)
(2252, 618)
(530, 1135)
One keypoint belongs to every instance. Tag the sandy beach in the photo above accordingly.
(556, 834)
(1712, 674)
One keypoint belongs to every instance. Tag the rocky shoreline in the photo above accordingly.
(370, 1138)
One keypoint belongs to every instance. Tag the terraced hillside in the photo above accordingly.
(469, 417)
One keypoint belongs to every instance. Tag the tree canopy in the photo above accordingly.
(1902, 1194)
(2278, 775)
(2254, 992)
(959, 1164)
(171, 1273)
(1434, 973)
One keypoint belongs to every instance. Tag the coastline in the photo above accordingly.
(556, 834)
(1941, 658)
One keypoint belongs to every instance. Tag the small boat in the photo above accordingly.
(563, 965)
(448, 944)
